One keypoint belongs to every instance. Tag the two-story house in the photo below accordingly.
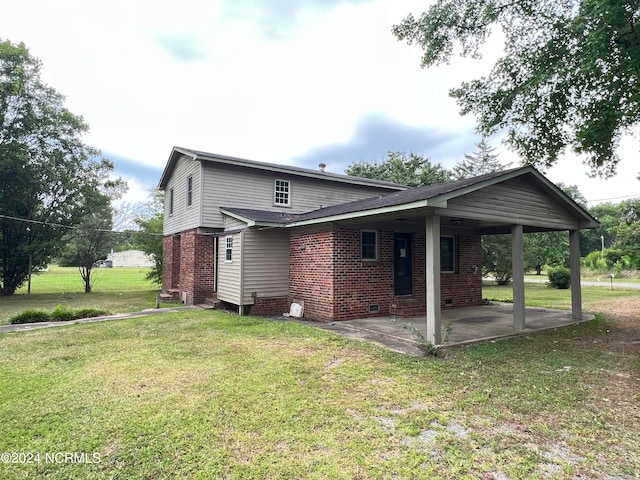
(260, 235)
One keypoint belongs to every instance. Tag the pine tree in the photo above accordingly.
(478, 163)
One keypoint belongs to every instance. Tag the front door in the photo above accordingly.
(402, 274)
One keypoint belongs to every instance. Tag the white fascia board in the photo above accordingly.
(367, 213)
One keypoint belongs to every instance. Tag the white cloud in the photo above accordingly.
(266, 81)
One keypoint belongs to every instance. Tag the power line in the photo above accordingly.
(75, 227)
(613, 198)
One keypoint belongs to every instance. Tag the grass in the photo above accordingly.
(204, 394)
(590, 276)
(214, 395)
(540, 295)
(115, 289)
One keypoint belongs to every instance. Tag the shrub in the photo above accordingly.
(559, 277)
(61, 313)
(594, 261)
(90, 312)
(30, 316)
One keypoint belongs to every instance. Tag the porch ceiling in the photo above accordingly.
(417, 223)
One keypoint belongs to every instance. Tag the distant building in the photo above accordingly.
(129, 259)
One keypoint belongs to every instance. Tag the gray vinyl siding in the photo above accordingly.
(236, 187)
(230, 273)
(183, 217)
(512, 202)
(265, 264)
(233, 224)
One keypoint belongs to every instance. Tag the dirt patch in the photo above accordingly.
(622, 327)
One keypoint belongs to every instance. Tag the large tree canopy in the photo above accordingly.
(46, 172)
(569, 77)
(403, 168)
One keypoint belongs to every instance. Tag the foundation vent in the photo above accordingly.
(374, 308)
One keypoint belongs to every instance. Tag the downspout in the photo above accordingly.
(216, 262)
(241, 303)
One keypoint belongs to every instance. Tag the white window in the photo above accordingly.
(189, 190)
(228, 251)
(369, 244)
(282, 193)
(171, 201)
(447, 254)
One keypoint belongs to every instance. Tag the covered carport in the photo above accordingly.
(514, 202)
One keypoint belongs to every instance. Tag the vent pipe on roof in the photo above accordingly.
(321, 167)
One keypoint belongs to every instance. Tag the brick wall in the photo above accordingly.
(311, 272)
(464, 288)
(349, 287)
(170, 262)
(269, 307)
(197, 264)
(360, 285)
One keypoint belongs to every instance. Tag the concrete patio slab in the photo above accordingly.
(464, 326)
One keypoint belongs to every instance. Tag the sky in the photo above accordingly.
(295, 82)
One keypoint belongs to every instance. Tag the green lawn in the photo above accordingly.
(540, 295)
(114, 289)
(204, 394)
(213, 395)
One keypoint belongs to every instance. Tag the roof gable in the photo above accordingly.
(438, 196)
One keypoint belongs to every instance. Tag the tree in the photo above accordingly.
(496, 249)
(569, 77)
(545, 248)
(627, 232)
(480, 162)
(406, 169)
(93, 238)
(609, 215)
(149, 238)
(45, 167)
(496, 257)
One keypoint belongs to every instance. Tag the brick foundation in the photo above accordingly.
(270, 307)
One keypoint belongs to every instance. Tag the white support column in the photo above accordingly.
(574, 260)
(517, 268)
(433, 279)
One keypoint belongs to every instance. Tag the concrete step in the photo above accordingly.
(213, 302)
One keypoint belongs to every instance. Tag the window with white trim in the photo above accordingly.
(189, 190)
(228, 250)
(171, 201)
(447, 254)
(369, 244)
(282, 193)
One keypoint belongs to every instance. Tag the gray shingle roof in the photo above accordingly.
(403, 197)
(242, 162)
(438, 192)
(260, 216)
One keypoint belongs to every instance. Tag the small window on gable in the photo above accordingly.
(189, 190)
(447, 254)
(171, 201)
(228, 250)
(282, 193)
(369, 244)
